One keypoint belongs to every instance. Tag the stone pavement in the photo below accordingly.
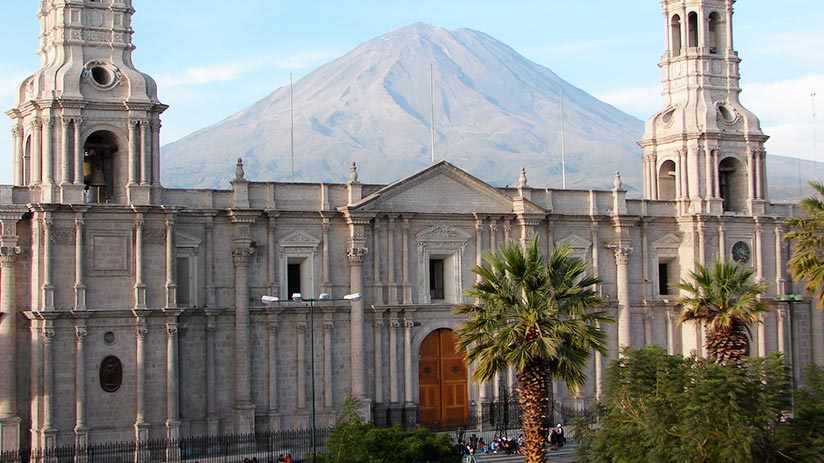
(566, 454)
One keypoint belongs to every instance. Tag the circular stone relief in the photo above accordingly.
(111, 374)
(741, 252)
(109, 338)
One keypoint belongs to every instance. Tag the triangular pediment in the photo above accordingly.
(574, 242)
(668, 241)
(185, 240)
(299, 239)
(441, 188)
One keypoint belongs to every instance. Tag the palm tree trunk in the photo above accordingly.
(533, 398)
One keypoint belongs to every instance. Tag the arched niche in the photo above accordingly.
(99, 168)
(666, 180)
(692, 29)
(675, 34)
(732, 184)
(717, 33)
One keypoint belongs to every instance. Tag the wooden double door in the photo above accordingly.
(442, 380)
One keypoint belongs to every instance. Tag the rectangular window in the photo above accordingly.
(293, 279)
(184, 286)
(436, 279)
(663, 278)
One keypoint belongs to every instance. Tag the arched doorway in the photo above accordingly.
(442, 381)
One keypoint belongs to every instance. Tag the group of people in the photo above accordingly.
(468, 448)
(285, 458)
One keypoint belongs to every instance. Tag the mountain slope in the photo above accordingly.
(494, 112)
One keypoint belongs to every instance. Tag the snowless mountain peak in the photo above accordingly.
(494, 111)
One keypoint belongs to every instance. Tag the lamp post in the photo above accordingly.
(324, 297)
(791, 299)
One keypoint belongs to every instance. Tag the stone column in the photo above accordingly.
(134, 151)
(817, 331)
(394, 324)
(212, 418)
(377, 326)
(66, 154)
(405, 281)
(141, 427)
(156, 152)
(377, 287)
(390, 262)
(36, 152)
(245, 409)
(211, 296)
(17, 151)
(79, 268)
(48, 288)
(328, 397)
(139, 286)
(80, 430)
(78, 152)
(750, 175)
(146, 153)
(779, 261)
(171, 259)
(49, 395)
(301, 364)
(672, 320)
(722, 242)
(407, 362)
(356, 255)
(624, 319)
(782, 316)
(9, 415)
(272, 357)
(48, 152)
(172, 386)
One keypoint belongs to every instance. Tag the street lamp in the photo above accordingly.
(791, 299)
(323, 297)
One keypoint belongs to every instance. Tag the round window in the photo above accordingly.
(102, 76)
(727, 114)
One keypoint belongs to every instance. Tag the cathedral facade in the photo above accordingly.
(133, 311)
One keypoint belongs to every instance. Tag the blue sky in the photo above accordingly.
(212, 58)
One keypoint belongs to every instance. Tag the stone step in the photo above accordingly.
(565, 454)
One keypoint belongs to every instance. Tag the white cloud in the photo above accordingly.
(232, 70)
(641, 102)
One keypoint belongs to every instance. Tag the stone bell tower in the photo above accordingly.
(86, 126)
(704, 149)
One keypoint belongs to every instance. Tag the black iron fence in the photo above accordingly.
(490, 420)
(262, 447)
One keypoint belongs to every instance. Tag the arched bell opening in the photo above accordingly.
(675, 35)
(732, 185)
(98, 166)
(666, 181)
(717, 34)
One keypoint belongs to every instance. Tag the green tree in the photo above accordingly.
(536, 316)
(671, 409)
(354, 441)
(807, 238)
(725, 299)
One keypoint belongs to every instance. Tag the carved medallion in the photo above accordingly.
(111, 374)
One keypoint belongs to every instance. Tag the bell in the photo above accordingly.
(98, 179)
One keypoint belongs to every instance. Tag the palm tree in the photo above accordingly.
(724, 298)
(534, 316)
(807, 237)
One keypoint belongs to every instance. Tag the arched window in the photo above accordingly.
(718, 35)
(692, 25)
(666, 181)
(675, 31)
(98, 166)
(732, 185)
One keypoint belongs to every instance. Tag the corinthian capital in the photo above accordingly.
(242, 255)
(356, 255)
